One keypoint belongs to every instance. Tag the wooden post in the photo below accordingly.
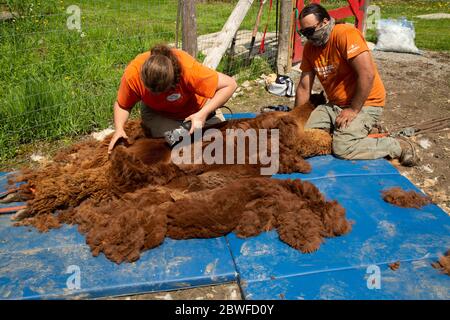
(189, 26)
(284, 37)
(365, 6)
(230, 28)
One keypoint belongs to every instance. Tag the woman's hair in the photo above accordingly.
(317, 10)
(161, 71)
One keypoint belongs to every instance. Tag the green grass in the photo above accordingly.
(57, 83)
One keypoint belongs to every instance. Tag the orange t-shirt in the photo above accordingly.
(331, 65)
(197, 84)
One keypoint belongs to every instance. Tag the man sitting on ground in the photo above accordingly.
(340, 57)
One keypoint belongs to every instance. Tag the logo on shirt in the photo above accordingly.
(353, 48)
(173, 97)
(324, 72)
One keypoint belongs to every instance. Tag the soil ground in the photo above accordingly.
(229, 291)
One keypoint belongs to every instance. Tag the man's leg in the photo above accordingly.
(352, 142)
(322, 117)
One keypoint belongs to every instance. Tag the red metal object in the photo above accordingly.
(355, 9)
(12, 209)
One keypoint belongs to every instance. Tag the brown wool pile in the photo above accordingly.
(129, 202)
(405, 199)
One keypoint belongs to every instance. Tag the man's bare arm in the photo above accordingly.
(304, 88)
(364, 69)
(365, 73)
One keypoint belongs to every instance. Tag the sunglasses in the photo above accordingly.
(308, 32)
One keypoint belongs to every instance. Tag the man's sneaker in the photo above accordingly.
(408, 157)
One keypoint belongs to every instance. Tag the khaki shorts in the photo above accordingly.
(156, 124)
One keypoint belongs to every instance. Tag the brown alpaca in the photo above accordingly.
(150, 155)
(130, 202)
(141, 220)
(84, 172)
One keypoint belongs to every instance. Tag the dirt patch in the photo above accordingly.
(230, 291)
(413, 99)
(443, 265)
(405, 199)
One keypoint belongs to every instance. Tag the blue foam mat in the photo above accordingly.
(330, 167)
(382, 234)
(33, 265)
(413, 280)
(239, 115)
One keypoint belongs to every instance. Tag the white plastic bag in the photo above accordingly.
(396, 35)
(282, 86)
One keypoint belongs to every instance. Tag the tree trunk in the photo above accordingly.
(365, 6)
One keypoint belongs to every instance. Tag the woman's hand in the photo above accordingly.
(120, 118)
(225, 88)
(117, 135)
(197, 119)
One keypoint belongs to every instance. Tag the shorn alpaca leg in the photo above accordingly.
(256, 219)
(300, 229)
(291, 162)
(315, 142)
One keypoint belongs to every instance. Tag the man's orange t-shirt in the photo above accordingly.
(331, 65)
(197, 84)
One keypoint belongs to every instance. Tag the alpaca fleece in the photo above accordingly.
(405, 199)
(394, 266)
(129, 202)
(139, 221)
(443, 265)
(84, 171)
